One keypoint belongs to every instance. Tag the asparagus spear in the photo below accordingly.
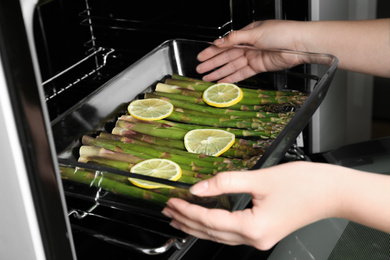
(261, 126)
(228, 123)
(247, 93)
(187, 177)
(275, 108)
(209, 109)
(191, 99)
(250, 95)
(124, 166)
(237, 132)
(183, 79)
(93, 151)
(98, 180)
(161, 87)
(235, 114)
(132, 148)
(263, 144)
(243, 154)
(168, 142)
(192, 85)
(297, 100)
(144, 128)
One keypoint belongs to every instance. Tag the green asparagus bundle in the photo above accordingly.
(255, 121)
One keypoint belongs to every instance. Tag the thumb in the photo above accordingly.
(224, 182)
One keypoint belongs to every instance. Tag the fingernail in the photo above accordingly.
(174, 225)
(166, 213)
(199, 187)
(219, 41)
(169, 204)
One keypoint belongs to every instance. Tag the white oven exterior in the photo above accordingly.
(34, 223)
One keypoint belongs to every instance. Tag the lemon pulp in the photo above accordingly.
(150, 109)
(222, 95)
(212, 142)
(159, 168)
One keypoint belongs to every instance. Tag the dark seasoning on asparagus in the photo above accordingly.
(255, 121)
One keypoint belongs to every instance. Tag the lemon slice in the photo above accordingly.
(159, 168)
(150, 109)
(222, 95)
(212, 142)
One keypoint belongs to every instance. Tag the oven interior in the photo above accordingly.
(82, 46)
(91, 41)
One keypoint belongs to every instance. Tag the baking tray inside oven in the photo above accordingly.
(99, 111)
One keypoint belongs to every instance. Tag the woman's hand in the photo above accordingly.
(361, 46)
(284, 197)
(240, 63)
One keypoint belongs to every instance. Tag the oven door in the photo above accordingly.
(33, 220)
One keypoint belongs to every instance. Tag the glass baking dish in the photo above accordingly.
(99, 111)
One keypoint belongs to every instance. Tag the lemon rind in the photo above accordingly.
(228, 104)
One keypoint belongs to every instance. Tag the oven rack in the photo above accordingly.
(180, 30)
(99, 57)
(154, 227)
(69, 86)
(92, 209)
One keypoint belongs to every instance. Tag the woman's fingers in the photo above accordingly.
(210, 52)
(241, 37)
(201, 218)
(225, 183)
(215, 224)
(218, 59)
(228, 69)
